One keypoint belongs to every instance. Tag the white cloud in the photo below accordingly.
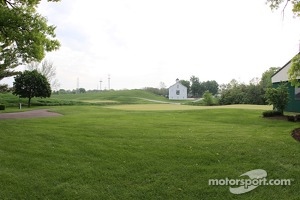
(141, 43)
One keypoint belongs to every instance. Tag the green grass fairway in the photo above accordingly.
(93, 152)
(149, 107)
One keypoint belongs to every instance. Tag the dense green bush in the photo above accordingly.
(2, 107)
(291, 118)
(278, 97)
(271, 113)
(208, 98)
(239, 93)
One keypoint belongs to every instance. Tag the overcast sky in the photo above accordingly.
(141, 43)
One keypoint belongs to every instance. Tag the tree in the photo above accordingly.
(211, 86)
(265, 80)
(278, 97)
(47, 69)
(163, 90)
(31, 84)
(275, 4)
(25, 35)
(187, 84)
(254, 94)
(233, 93)
(239, 93)
(208, 98)
(4, 88)
(81, 90)
(198, 88)
(195, 86)
(162, 85)
(294, 71)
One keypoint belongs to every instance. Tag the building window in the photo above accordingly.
(177, 92)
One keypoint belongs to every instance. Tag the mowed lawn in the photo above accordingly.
(93, 152)
(175, 106)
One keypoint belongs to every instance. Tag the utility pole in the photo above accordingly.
(100, 84)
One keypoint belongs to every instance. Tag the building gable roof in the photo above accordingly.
(177, 83)
(284, 66)
(282, 73)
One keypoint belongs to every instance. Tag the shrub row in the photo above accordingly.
(271, 113)
(293, 118)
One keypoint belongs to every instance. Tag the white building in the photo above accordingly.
(177, 91)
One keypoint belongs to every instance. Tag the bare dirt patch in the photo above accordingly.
(29, 114)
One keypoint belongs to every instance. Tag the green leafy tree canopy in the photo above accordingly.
(294, 71)
(31, 84)
(25, 35)
(208, 98)
(278, 97)
(275, 4)
(266, 81)
(187, 84)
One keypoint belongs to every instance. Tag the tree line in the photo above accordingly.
(252, 93)
(233, 92)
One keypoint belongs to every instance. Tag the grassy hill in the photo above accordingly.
(120, 96)
(93, 98)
